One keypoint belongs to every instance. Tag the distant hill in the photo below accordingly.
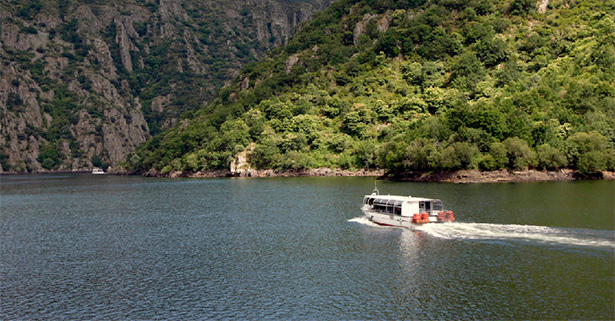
(83, 83)
(416, 86)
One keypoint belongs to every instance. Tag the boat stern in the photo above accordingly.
(440, 217)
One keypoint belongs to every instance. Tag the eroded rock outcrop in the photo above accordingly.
(82, 85)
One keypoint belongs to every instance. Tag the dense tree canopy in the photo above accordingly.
(417, 86)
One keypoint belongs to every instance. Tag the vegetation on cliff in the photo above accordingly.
(83, 83)
(417, 86)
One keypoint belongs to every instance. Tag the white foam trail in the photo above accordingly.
(364, 221)
(524, 233)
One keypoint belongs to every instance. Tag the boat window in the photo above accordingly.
(386, 205)
(394, 206)
(380, 205)
(389, 205)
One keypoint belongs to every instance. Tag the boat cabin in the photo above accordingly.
(402, 205)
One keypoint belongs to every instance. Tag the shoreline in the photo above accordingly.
(458, 177)
(253, 173)
(500, 176)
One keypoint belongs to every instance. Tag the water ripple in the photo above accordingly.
(134, 248)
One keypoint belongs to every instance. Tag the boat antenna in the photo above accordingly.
(375, 191)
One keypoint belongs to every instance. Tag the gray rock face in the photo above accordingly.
(84, 85)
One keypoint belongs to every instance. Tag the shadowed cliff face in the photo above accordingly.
(83, 83)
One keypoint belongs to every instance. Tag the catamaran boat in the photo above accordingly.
(404, 211)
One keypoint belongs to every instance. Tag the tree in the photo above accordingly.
(467, 71)
(491, 52)
(50, 157)
(392, 156)
(265, 155)
(307, 125)
(459, 155)
(522, 7)
(584, 148)
(519, 153)
(550, 157)
(388, 44)
(357, 120)
(508, 74)
(592, 163)
(438, 44)
(422, 155)
(487, 163)
(366, 154)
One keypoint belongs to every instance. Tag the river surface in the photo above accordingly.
(77, 246)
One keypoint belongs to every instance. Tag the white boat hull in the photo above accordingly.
(404, 211)
(98, 171)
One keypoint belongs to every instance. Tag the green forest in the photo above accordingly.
(414, 85)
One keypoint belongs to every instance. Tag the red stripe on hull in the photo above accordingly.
(384, 224)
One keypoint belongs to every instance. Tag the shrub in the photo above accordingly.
(459, 155)
(519, 153)
(49, 157)
(592, 163)
(550, 157)
(421, 155)
(366, 154)
(467, 71)
(191, 162)
(392, 156)
(587, 142)
(498, 153)
(295, 160)
(582, 143)
(265, 155)
(356, 121)
(488, 163)
(294, 142)
(14, 102)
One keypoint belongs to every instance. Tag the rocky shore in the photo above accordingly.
(272, 173)
(462, 177)
(476, 176)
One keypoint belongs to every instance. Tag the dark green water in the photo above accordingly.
(105, 247)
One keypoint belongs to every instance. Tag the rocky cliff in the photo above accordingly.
(83, 83)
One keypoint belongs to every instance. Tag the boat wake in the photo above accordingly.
(522, 233)
(506, 233)
(364, 221)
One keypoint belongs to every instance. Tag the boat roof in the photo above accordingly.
(402, 198)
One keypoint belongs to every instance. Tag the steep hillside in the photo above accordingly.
(417, 86)
(83, 83)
